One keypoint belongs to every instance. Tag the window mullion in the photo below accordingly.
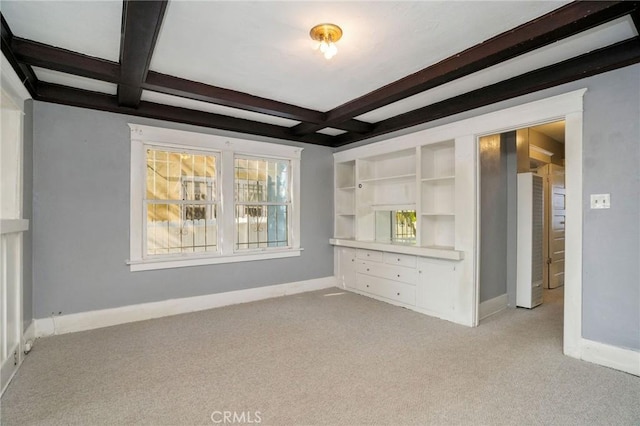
(227, 203)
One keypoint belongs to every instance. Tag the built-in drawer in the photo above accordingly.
(396, 273)
(375, 256)
(400, 259)
(388, 289)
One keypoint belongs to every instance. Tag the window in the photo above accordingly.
(262, 203)
(180, 202)
(200, 199)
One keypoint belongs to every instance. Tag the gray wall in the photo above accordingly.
(611, 238)
(27, 197)
(81, 220)
(493, 218)
(498, 202)
(611, 164)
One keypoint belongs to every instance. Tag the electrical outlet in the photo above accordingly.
(600, 201)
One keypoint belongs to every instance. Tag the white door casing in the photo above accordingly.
(12, 225)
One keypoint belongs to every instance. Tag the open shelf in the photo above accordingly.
(438, 160)
(436, 179)
(390, 207)
(437, 231)
(399, 178)
(345, 174)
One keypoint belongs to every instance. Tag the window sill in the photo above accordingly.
(182, 261)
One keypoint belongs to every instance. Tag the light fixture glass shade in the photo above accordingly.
(324, 46)
(330, 51)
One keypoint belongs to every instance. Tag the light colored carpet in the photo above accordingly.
(316, 358)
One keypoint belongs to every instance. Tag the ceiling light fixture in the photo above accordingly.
(327, 35)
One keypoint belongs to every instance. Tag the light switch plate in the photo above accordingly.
(600, 201)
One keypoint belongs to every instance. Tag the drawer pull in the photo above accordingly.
(367, 285)
(398, 259)
(398, 275)
(367, 269)
(398, 293)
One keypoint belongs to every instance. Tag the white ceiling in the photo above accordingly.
(89, 27)
(263, 48)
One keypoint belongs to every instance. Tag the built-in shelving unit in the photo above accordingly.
(404, 221)
(403, 197)
(345, 199)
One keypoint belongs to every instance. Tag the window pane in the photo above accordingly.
(260, 226)
(262, 180)
(178, 228)
(180, 176)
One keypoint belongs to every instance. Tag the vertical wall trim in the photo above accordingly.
(573, 236)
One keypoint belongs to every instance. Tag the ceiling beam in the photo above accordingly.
(558, 24)
(141, 21)
(602, 60)
(176, 86)
(24, 71)
(636, 19)
(62, 60)
(54, 93)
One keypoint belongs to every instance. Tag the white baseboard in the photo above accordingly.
(29, 333)
(107, 317)
(492, 306)
(621, 359)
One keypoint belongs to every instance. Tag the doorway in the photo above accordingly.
(521, 251)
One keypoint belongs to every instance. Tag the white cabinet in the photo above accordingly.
(436, 280)
(378, 277)
(418, 283)
(397, 206)
(346, 270)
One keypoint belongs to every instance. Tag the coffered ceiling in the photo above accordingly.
(250, 67)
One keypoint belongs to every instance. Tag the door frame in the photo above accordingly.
(13, 227)
(567, 107)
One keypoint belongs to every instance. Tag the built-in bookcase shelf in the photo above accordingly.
(437, 195)
(345, 199)
(383, 198)
(390, 179)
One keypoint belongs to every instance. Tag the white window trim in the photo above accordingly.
(226, 149)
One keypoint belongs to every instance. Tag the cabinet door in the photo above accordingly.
(436, 281)
(346, 267)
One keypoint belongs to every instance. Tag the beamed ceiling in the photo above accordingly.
(250, 67)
